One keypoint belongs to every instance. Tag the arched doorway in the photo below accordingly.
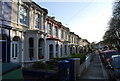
(65, 48)
(61, 50)
(57, 50)
(40, 48)
(76, 49)
(31, 48)
(71, 50)
(15, 49)
(3, 48)
(51, 51)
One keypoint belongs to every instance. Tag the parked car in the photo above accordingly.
(115, 63)
(113, 68)
(106, 55)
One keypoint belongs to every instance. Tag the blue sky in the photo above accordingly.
(88, 19)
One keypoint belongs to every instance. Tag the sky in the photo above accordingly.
(86, 18)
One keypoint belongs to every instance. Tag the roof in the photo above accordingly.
(40, 7)
(113, 56)
(108, 51)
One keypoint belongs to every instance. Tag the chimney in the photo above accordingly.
(53, 17)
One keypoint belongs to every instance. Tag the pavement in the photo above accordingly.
(95, 71)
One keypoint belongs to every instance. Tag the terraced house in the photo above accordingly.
(28, 34)
(57, 39)
(75, 45)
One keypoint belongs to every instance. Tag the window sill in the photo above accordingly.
(24, 25)
(41, 57)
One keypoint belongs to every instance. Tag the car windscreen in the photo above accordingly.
(109, 54)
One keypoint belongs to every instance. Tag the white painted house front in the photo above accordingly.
(34, 36)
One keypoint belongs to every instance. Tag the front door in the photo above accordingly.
(3, 51)
(15, 51)
(51, 51)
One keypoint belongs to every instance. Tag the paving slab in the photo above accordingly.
(95, 71)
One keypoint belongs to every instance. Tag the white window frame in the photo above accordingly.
(38, 21)
(15, 51)
(48, 26)
(25, 20)
(62, 34)
(49, 29)
(56, 31)
(40, 48)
